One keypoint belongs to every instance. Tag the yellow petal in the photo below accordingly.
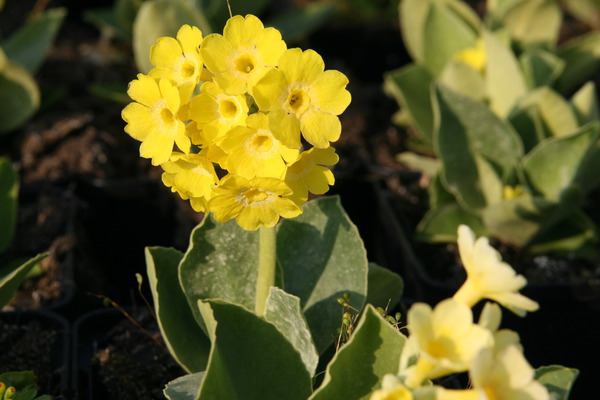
(139, 120)
(144, 90)
(328, 92)
(190, 38)
(239, 31)
(166, 52)
(299, 66)
(320, 128)
(158, 147)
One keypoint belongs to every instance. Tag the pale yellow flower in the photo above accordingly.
(391, 389)
(474, 57)
(488, 277)
(310, 173)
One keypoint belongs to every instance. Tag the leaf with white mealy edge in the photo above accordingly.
(186, 341)
(557, 379)
(585, 104)
(358, 367)
(283, 311)
(19, 96)
(556, 113)
(322, 257)
(185, 387)
(221, 262)
(250, 358)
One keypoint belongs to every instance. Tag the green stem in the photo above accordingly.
(267, 260)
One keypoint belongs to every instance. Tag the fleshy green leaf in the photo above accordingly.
(11, 280)
(19, 96)
(158, 18)
(535, 21)
(9, 191)
(283, 311)
(440, 224)
(322, 257)
(385, 287)
(410, 87)
(557, 379)
(250, 358)
(185, 387)
(585, 104)
(540, 67)
(29, 45)
(221, 262)
(359, 366)
(582, 59)
(555, 112)
(575, 234)
(186, 341)
(464, 80)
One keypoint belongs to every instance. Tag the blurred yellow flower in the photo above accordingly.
(152, 118)
(253, 203)
(445, 340)
(310, 174)
(474, 57)
(302, 97)
(243, 54)
(179, 59)
(391, 389)
(488, 277)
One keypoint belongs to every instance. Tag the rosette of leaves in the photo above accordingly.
(20, 385)
(21, 55)
(204, 300)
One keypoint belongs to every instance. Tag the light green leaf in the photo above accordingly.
(29, 45)
(410, 87)
(464, 80)
(322, 257)
(221, 262)
(427, 165)
(19, 96)
(385, 287)
(556, 113)
(585, 104)
(557, 379)
(10, 281)
(413, 14)
(505, 82)
(558, 163)
(359, 366)
(438, 194)
(584, 10)
(440, 224)
(283, 311)
(529, 124)
(9, 191)
(250, 358)
(575, 235)
(187, 342)
(582, 59)
(298, 23)
(158, 18)
(185, 387)
(540, 67)
(534, 21)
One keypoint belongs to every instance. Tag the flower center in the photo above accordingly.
(167, 116)
(261, 143)
(437, 349)
(188, 69)
(254, 195)
(245, 63)
(298, 101)
(228, 108)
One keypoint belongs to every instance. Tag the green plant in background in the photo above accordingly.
(12, 272)
(19, 386)
(493, 101)
(21, 55)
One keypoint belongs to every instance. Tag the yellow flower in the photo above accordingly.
(445, 340)
(253, 203)
(179, 59)
(302, 97)
(254, 151)
(192, 176)
(216, 111)
(153, 120)
(474, 57)
(488, 276)
(243, 54)
(391, 389)
(499, 376)
(490, 318)
(309, 174)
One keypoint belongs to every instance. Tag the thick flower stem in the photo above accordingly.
(267, 262)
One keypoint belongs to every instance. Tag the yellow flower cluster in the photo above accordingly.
(445, 339)
(240, 124)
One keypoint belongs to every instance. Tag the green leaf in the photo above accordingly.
(578, 155)
(221, 262)
(359, 366)
(250, 358)
(438, 194)
(410, 87)
(555, 112)
(9, 191)
(187, 342)
(582, 60)
(440, 224)
(10, 282)
(575, 235)
(413, 14)
(322, 257)
(283, 311)
(585, 104)
(557, 379)
(19, 96)
(29, 45)
(536, 21)
(470, 140)
(385, 287)
(158, 18)
(505, 82)
(427, 165)
(529, 124)
(584, 10)
(296, 24)
(540, 67)
(464, 80)
(185, 387)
